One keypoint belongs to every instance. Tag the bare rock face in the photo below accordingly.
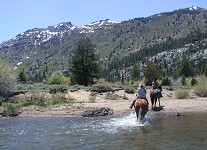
(94, 112)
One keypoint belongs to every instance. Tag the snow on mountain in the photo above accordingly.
(101, 23)
(34, 38)
(43, 35)
(193, 8)
(90, 28)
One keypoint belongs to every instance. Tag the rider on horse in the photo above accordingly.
(156, 87)
(141, 94)
(155, 84)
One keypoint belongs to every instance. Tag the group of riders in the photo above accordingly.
(141, 91)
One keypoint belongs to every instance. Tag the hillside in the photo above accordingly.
(41, 51)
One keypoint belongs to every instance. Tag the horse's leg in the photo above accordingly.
(145, 109)
(140, 116)
(159, 98)
(159, 101)
(152, 101)
(137, 114)
(155, 101)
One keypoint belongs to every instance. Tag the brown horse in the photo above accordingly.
(141, 108)
(155, 95)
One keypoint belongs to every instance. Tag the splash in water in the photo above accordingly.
(110, 125)
(128, 122)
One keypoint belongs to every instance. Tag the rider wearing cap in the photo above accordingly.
(141, 94)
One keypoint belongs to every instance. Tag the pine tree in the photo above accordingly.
(22, 76)
(151, 72)
(185, 68)
(135, 73)
(83, 63)
(205, 69)
(183, 80)
(6, 78)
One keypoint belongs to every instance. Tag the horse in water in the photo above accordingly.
(141, 108)
(155, 95)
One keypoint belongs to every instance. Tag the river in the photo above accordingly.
(104, 133)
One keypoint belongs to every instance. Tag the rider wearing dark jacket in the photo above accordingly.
(155, 84)
(155, 87)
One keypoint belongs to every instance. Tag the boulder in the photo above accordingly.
(94, 112)
(10, 114)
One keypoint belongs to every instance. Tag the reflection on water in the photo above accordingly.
(185, 132)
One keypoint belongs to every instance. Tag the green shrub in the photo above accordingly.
(38, 98)
(182, 94)
(35, 98)
(125, 97)
(102, 81)
(129, 90)
(166, 82)
(58, 88)
(35, 86)
(11, 109)
(183, 80)
(76, 86)
(57, 77)
(59, 98)
(2, 99)
(193, 81)
(112, 96)
(6, 79)
(45, 99)
(92, 97)
(200, 88)
(99, 88)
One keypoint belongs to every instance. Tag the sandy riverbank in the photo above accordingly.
(169, 103)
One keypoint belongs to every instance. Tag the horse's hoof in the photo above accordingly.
(178, 114)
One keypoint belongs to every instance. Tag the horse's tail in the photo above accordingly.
(140, 116)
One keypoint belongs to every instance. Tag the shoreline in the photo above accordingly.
(170, 105)
(75, 111)
(150, 112)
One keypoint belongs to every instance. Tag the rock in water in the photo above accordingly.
(93, 112)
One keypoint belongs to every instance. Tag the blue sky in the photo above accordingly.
(18, 16)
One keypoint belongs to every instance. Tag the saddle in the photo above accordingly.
(155, 91)
(138, 98)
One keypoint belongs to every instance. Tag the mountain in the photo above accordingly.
(26, 44)
(44, 50)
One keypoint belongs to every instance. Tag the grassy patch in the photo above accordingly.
(45, 99)
(35, 98)
(182, 94)
(200, 88)
(92, 97)
(11, 109)
(129, 90)
(112, 96)
(125, 97)
(100, 88)
(60, 98)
